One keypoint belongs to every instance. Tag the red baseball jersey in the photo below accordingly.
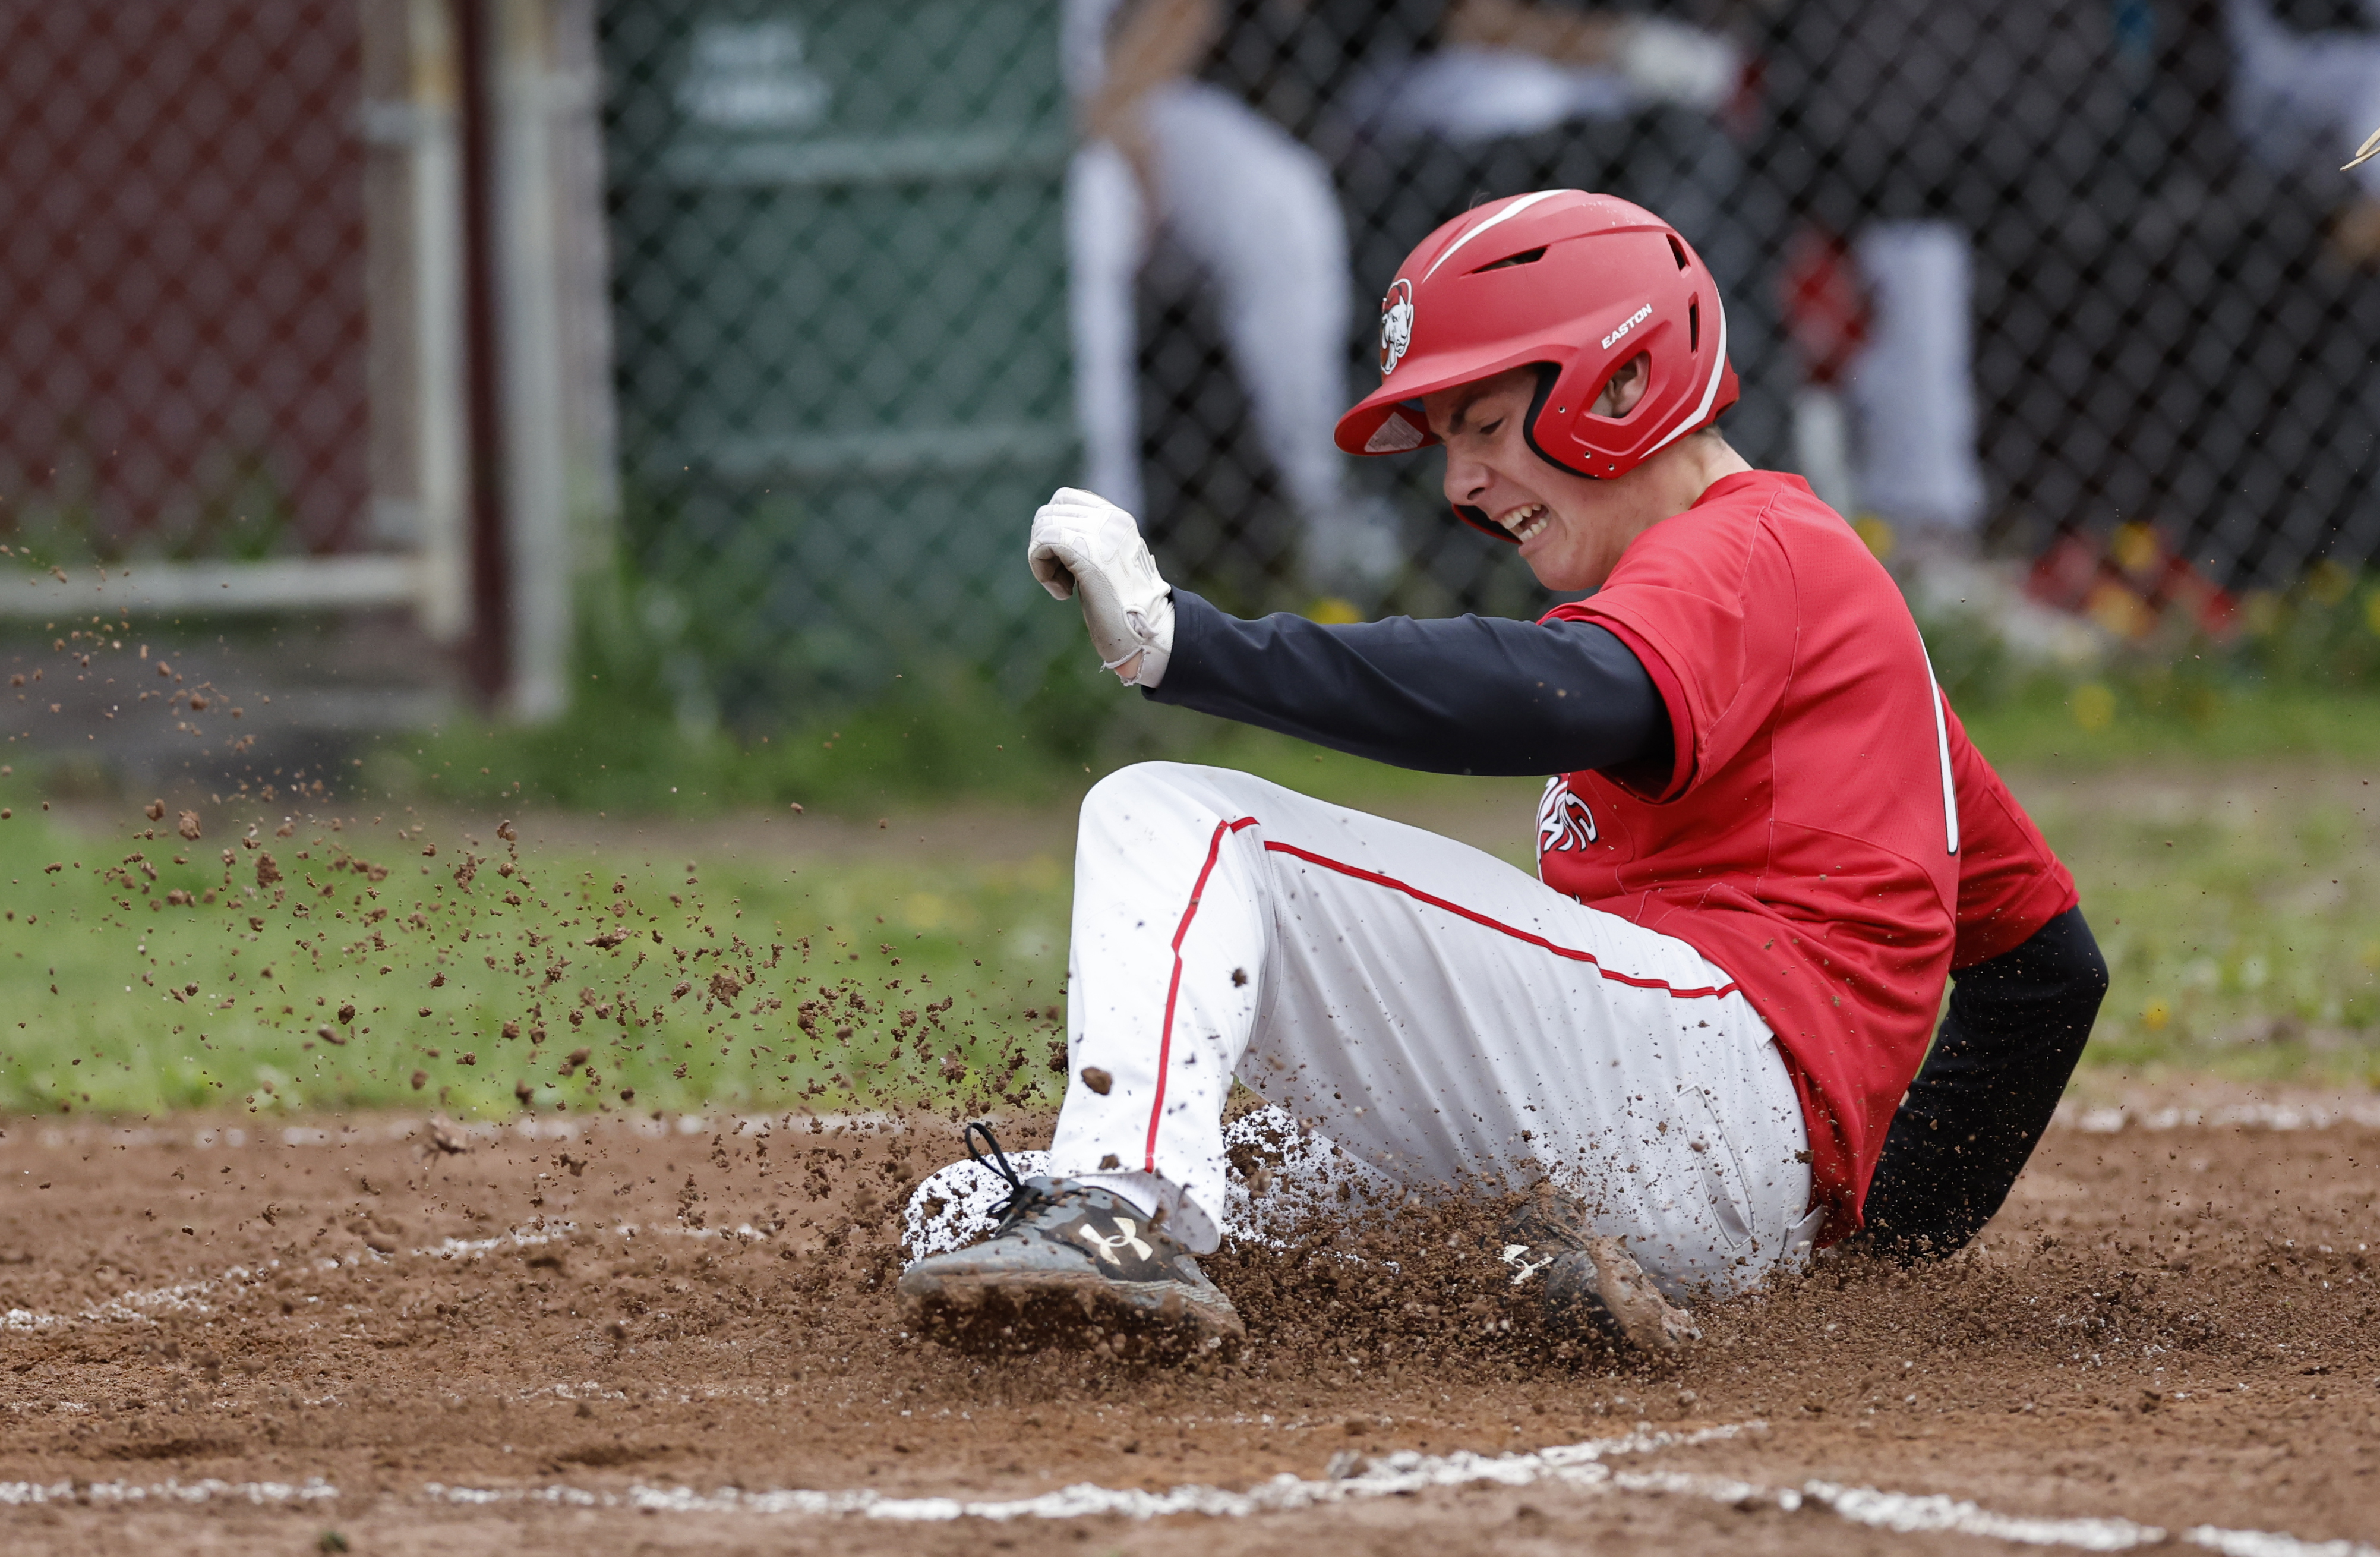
(1810, 836)
(2010, 883)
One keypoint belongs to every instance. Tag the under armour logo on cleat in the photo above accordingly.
(1105, 1245)
(1517, 1256)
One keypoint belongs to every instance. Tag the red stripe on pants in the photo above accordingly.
(1173, 985)
(1375, 879)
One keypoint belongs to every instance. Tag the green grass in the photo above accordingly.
(118, 1002)
(2113, 722)
(2240, 911)
(2241, 920)
(2238, 904)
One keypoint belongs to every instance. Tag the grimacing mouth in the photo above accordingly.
(1526, 522)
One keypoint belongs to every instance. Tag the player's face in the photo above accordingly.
(1572, 528)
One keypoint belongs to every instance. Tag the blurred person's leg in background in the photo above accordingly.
(1173, 160)
(1257, 213)
(2304, 101)
(2303, 91)
(1107, 241)
(1959, 169)
(1913, 390)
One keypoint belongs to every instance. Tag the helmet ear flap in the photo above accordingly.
(1549, 376)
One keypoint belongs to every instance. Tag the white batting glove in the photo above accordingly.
(1083, 543)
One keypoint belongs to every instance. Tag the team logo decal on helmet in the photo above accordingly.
(1396, 326)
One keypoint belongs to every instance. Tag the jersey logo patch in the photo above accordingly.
(1564, 822)
(1396, 326)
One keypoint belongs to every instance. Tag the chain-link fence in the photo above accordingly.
(2069, 280)
(1995, 275)
(182, 279)
(245, 365)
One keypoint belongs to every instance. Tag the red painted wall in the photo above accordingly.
(182, 302)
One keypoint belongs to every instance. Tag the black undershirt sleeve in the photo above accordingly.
(2015, 1027)
(1444, 695)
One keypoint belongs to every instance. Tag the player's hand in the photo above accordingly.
(1081, 543)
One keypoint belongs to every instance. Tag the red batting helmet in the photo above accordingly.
(1577, 282)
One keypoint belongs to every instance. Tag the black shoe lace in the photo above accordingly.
(1019, 1202)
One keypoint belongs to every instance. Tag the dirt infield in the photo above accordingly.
(677, 1334)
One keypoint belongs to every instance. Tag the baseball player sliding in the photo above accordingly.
(1766, 847)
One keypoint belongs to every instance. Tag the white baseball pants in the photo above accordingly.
(1914, 382)
(1438, 1015)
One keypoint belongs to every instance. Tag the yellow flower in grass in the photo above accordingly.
(2135, 547)
(2329, 581)
(2156, 1015)
(2260, 612)
(2094, 705)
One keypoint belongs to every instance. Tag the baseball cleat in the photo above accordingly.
(1589, 1285)
(1069, 1266)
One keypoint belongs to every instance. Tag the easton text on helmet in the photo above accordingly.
(1630, 322)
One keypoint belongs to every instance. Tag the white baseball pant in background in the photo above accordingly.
(1256, 212)
(1914, 383)
(1435, 1013)
(2303, 100)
